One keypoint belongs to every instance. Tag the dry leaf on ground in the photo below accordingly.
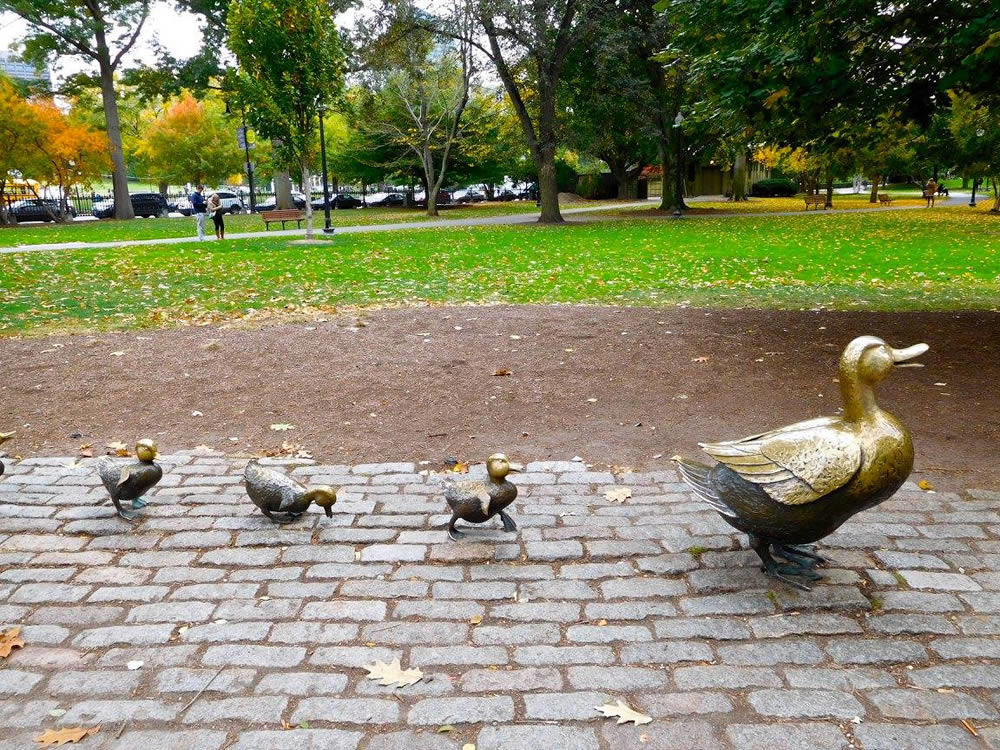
(9, 640)
(925, 485)
(619, 494)
(462, 467)
(699, 359)
(502, 372)
(624, 713)
(117, 448)
(393, 674)
(282, 427)
(52, 737)
(87, 450)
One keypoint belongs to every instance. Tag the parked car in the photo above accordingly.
(39, 209)
(231, 202)
(470, 196)
(341, 200)
(528, 194)
(389, 199)
(268, 204)
(143, 204)
(505, 195)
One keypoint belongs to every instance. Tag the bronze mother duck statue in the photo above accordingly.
(275, 493)
(798, 484)
(477, 501)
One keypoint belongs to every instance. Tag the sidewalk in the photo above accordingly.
(206, 626)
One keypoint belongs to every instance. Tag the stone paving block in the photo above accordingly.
(171, 612)
(966, 675)
(682, 704)
(908, 737)
(90, 712)
(471, 655)
(257, 709)
(46, 593)
(535, 611)
(686, 734)
(552, 551)
(544, 655)
(727, 678)
(746, 603)
(511, 635)
(875, 651)
(928, 705)
(898, 624)
(716, 628)
(215, 591)
(787, 737)
(18, 682)
(919, 601)
(136, 635)
(254, 655)
(921, 579)
(790, 625)
(352, 656)
(670, 652)
(437, 711)
(385, 589)
(302, 683)
(805, 704)
(986, 601)
(227, 632)
(129, 594)
(616, 678)
(161, 656)
(515, 680)
(770, 653)
(96, 682)
(184, 680)
(346, 710)
(539, 736)
(360, 611)
(847, 680)
(313, 632)
(202, 739)
(558, 589)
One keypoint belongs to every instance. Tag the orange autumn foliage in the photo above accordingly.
(69, 153)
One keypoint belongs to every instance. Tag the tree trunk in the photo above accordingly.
(740, 176)
(283, 190)
(965, 182)
(163, 189)
(935, 173)
(548, 187)
(431, 183)
(873, 198)
(307, 190)
(119, 177)
(829, 191)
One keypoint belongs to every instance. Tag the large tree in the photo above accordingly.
(291, 63)
(18, 121)
(101, 32)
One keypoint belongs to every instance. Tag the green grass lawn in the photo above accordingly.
(109, 230)
(927, 259)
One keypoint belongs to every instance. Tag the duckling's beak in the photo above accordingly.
(515, 468)
(900, 356)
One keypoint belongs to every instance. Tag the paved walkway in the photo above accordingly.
(204, 626)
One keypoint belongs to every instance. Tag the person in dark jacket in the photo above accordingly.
(199, 208)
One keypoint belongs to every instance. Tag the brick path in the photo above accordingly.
(649, 601)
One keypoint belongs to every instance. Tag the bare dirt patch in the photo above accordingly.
(622, 386)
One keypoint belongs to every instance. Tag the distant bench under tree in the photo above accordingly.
(283, 215)
(815, 200)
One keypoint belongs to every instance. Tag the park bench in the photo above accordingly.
(815, 200)
(283, 215)
(885, 199)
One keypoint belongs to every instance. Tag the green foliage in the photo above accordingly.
(774, 188)
(290, 61)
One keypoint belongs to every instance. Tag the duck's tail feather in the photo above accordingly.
(696, 476)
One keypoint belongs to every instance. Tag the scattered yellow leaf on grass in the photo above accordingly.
(9, 640)
(52, 737)
(624, 713)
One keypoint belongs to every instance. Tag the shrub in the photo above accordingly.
(774, 188)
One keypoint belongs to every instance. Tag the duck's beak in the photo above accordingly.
(515, 468)
(899, 356)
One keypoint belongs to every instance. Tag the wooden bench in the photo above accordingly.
(283, 215)
(815, 200)
(885, 199)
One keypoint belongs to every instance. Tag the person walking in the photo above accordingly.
(217, 212)
(198, 207)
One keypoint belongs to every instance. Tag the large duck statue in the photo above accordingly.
(281, 498)
(131, 481)
(798, 484)
(477, 501)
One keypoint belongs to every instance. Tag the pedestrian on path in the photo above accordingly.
(198, 207)
(217, 212)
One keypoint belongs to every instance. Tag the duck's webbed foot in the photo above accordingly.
(454, 533)
(139, 503)
(781, 572)
(803, 555)
(508, 522)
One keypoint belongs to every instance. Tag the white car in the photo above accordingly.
(231, 202)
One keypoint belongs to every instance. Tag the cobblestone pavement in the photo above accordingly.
(520, 637)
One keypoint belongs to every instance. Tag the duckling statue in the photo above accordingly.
(131, 481)
(477, 501)
(273, 492)
(798, 484)
(4, 437)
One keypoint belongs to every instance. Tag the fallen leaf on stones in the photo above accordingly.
(476, 620)
(134, 665)
(87, 450)
(117, 447)
(623, 712)
(285, 724)
(282, 427)
(969, 728)
(393, 674)
(52, 737)
(468, 746)
(461, 467)
(303, 453)
(445, 728)
(9, 640)
(699, 359)
(925, 485)
(117, 354)
(618, 494)
(502, 372)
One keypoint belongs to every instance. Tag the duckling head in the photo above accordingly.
(498, 467)
(866, 361)
(145, 450)
(324, 496)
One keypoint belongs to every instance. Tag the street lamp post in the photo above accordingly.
(327, 229)
(678, 171)
(246, 152)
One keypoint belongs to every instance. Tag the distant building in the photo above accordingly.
(19, 70)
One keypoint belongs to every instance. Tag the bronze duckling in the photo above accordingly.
(4, 437)
(273, 492)
(477, 501)
(131, 481)
(798, 484)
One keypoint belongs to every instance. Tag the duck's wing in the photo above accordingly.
(468, 489)
(110, 473)
(796, 464)
(271, 489)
